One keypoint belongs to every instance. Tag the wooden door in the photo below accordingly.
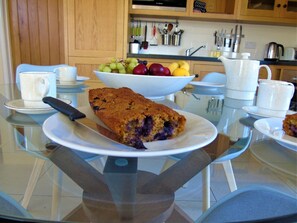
(36, 30)
(96, 32)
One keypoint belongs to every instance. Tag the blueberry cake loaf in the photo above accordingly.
(134, 118)
(290, 125)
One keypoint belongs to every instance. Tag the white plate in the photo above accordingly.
(198, 133)
(20, 119)
(273, 128)
(203, 84)
(82, 78)
(288, 146)
(19, 106)
(253, 112)
(70, 85)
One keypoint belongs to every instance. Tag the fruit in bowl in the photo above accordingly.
(153, 81)
(139, 67)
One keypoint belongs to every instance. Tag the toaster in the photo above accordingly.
(290, 53)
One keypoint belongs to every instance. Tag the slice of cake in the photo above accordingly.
(290, 125)
(134, 118)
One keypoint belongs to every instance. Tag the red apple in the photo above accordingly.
(156, 69)
(167, 71)
(140, 69)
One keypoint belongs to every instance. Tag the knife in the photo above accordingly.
(234, 47)
(75, 115)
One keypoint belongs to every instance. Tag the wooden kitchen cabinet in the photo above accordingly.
(203, 67)
(95, 32)
(158, 13)
(216, 9)
(280, 11)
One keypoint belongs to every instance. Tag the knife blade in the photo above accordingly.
(234, 48)
(75, 115)
(240, 34)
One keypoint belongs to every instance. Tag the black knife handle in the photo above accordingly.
(64, 108)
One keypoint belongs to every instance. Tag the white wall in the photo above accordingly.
(198, 33)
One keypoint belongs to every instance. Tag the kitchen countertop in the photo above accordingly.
(209, 59)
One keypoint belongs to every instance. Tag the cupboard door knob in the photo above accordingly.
(278, 5)
(285, 6)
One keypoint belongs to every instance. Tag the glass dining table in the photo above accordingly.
(72, 182)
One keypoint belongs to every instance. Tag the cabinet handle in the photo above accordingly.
(285, 6)
(278, 5)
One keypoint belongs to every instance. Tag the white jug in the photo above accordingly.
(242, 76)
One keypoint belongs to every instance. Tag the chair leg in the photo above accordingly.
(168, 163)
(56, 194)
(230, 175)
(99, 164)
(206, 188)
(38, 165)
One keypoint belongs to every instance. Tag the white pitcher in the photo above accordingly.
(242, 76)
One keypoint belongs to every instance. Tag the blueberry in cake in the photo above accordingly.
(290, 125)
(134, 118)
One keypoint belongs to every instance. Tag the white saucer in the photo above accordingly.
(70, 85)
(19, 106)
(253, 112)
(82, 78)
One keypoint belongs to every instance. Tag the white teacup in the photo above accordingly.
(36, 85)
(274, 97)
(66, 74)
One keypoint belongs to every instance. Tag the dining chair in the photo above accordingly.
(40, 161)
(31, 67)
(252, 203)
(23, 143)
(225, 160)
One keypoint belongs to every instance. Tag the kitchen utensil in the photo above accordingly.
(165, 29)
(166, 39)
(290, 53)
(154, 40)
(145, 43)
(235, 43)
(170, 27)
(272, 51)
(242, 76)
(134, 47)
(80, 118)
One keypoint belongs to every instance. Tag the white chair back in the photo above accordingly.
(31, 67)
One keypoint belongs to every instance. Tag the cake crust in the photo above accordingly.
(134, 118)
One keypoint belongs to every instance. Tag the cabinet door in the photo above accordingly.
(202, 68)
(96, 28)
(289, 9)
(215, 9)
(263, 8)
(270, 10)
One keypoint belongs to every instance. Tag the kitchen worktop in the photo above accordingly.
(210, 59)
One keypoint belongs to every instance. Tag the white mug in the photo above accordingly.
(274, 97)
(36, 85)
(66, 74)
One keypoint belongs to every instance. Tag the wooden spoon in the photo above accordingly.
(170, 27)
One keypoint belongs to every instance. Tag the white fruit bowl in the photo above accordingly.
(153, 87)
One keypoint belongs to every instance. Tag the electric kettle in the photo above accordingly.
(272, 51)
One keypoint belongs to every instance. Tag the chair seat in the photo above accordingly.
(252, 203)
